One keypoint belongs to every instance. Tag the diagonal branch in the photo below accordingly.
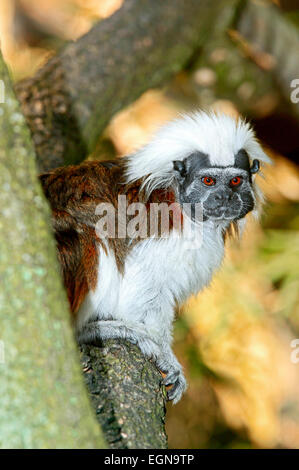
(73, 97)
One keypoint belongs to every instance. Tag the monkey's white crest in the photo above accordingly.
(217, 135)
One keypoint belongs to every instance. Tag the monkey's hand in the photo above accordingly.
(161, 355)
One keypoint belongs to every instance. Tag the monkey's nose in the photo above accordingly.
(222, 197)
(217, 200)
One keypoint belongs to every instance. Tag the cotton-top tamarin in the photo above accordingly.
(127, 283)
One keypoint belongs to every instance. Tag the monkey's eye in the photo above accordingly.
(208, 180)
(236, 181)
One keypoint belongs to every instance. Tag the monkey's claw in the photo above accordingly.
(177, 380)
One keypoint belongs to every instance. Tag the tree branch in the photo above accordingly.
(73, 97)
(127, 395)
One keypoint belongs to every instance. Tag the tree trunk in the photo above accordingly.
(73, 97)
(44, 403)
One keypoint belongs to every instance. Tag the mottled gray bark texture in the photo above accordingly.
(43, 402)
(72, 99)
(127, 395)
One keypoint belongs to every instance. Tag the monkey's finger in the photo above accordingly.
(176, 391)
(170, 379)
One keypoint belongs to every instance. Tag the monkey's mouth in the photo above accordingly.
(234, 209)
(201, 213)
(222, 213)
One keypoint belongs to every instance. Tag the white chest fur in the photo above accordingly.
(158, 274)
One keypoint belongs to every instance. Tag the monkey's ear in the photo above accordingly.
(255, 166)
(179, 166)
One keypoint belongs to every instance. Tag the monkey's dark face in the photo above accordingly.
(221, 193)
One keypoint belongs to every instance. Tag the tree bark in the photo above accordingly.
(44, 403)
(73, 97)
(127, 395)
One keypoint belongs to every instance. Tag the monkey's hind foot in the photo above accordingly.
(179, 385)
(175, 378)
(169, 364)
